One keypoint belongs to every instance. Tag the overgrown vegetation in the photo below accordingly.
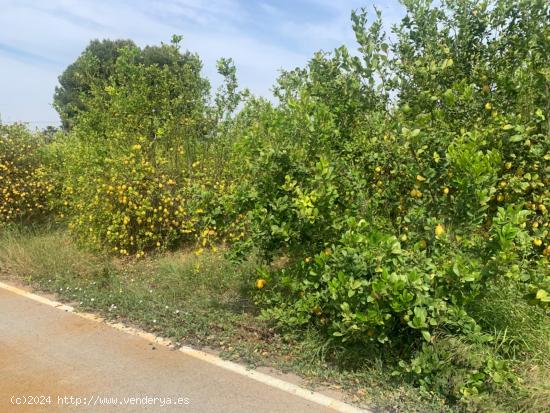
(27, 188)
(195, 300)
(397, 197)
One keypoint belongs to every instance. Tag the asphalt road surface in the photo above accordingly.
(56, 361)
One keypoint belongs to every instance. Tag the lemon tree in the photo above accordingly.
(26, 182)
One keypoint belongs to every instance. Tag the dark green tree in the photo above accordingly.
(96, 64)
(79, 76)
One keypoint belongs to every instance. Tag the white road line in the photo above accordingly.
(266, 379)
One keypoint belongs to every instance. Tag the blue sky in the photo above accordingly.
(38, 39)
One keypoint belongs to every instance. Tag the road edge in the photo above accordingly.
(263, 378)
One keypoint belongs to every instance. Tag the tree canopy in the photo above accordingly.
(96, 64)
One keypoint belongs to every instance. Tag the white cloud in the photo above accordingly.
(59, 30)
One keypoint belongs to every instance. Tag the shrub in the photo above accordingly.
(26, 183)
(140, 171)
(393, 219)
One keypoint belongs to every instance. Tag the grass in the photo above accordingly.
(205, 301)
(523, 340)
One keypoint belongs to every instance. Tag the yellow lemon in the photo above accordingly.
(260, 283)
(488, 106)
(439, 230)
(537, 242)
(415, 193)
(445, 191)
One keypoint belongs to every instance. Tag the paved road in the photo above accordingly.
(48, 352)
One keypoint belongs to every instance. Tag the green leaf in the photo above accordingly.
(543, 296)
(427, 336)
(497, 377)
(516, 138)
